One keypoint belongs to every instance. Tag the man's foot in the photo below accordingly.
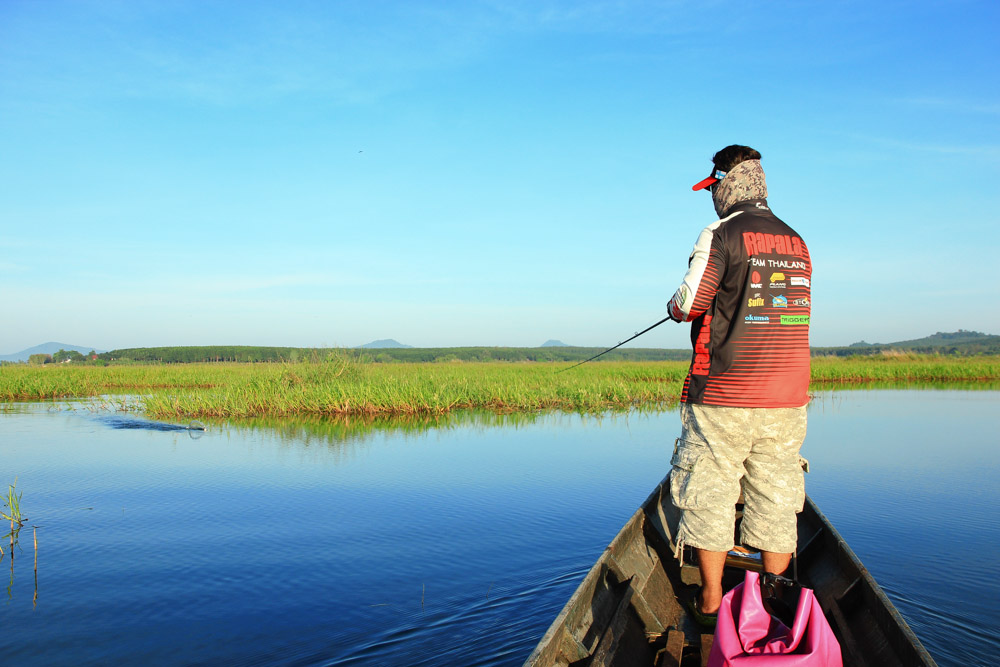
(706, 620)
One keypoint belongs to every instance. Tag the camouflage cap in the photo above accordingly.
(725, 161)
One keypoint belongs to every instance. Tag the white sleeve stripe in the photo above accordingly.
(684, 298)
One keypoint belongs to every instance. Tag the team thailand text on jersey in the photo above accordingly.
(747, 294)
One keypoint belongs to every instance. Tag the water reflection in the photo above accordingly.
(12, 540)
(119, 421)
(340, 430)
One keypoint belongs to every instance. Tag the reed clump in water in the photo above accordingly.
(12, 513)
(12, 502)
(345, 388)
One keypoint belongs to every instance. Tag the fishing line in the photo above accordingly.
(617, 346)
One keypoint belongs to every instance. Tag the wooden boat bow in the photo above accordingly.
(629, 609)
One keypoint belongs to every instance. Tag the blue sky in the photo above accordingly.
(481, 173)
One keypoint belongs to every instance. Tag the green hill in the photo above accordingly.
(960, 343)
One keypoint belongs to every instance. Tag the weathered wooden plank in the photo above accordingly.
(673, 653)
(706, 648)
(623, 643)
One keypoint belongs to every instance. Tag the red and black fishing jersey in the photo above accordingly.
(747, 295)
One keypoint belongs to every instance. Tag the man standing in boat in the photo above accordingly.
(747, 296)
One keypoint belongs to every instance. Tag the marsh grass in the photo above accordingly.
(421, 389)
(21, 382)
(904, 368)
(340, 385)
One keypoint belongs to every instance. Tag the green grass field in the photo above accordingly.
(342, 386)
(904, 368)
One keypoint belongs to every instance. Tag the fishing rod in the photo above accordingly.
(617, 346)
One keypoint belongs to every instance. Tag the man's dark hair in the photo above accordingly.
(730, 156)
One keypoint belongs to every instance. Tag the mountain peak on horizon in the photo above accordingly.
(47, 348)
(385, 343)
(555, 343)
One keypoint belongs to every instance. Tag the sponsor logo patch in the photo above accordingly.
(758, 319)
(799, 281)
(779, 301)
(800, 302)
(777, 277)
(755, 302)
(792, 320)
(702, 357)
(757, 243)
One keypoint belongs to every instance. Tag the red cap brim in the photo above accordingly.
(701, 185)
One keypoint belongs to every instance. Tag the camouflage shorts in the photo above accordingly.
(722, 449)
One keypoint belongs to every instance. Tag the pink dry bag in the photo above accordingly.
(747, 635)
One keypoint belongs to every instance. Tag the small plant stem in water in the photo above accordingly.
(34, 535)
(13, 503)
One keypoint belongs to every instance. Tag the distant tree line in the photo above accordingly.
(965, 350)
(213, 353)
(244, 354)
(515, 354)
(63, 356)
(960, 343)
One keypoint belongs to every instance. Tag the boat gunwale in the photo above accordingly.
(584, 592)
(897, 632)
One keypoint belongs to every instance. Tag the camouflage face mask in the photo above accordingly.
(743, 182)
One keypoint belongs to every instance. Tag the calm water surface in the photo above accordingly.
(450, 545)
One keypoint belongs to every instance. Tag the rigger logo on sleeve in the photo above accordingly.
(758, 243)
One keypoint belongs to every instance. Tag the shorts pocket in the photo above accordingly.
(693, 482)
(793, 490)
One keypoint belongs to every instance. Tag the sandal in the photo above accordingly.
(701, 618)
